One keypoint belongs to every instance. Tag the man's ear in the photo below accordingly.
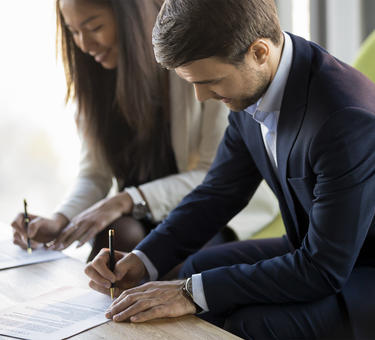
(259, 51)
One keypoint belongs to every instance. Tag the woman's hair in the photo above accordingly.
(125, 112)
(188, 30)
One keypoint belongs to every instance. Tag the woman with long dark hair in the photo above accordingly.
(139, 124)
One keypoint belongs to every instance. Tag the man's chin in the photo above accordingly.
(236, 107)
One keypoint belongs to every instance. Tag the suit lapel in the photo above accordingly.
(253, 138)
(292, 115)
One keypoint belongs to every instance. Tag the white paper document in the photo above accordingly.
(59, 314)
(14, 256)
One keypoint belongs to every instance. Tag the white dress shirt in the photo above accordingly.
(266, 112)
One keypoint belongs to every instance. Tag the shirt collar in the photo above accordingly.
(271, 100)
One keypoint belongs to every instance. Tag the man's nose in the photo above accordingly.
(202, 92)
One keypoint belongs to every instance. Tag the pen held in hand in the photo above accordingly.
(27, 220)
(111, 234)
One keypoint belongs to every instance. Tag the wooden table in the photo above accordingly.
(23, 283)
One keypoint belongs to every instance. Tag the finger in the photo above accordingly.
(35, 224)
(64, 235)
(80, 231)
(124, 263)
(101, 289)
(68, 236)
(34, 227)
(137, 307)
(86, 237)
(21, 241)
(130, 291)
(125, 300)
(18, 240)
(98, 288)
(120, 255)
(35, 244)
(18, 224)
(156, 312)
(100, 264)
(96, 277)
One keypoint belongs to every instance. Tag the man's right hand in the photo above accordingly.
(41, 230)
(129, 272)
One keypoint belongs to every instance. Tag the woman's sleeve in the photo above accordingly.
(92, 184)
(164, 194)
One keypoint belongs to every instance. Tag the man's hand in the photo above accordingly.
(152, 300)
(129, 272)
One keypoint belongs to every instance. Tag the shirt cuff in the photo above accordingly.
(198, 292)
(152, 271)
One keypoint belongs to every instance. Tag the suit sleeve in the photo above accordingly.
(343, 161)
(227, 188)
(164, 194)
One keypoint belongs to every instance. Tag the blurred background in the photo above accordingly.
(38, 143)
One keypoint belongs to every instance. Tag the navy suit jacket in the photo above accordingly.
(325, 184)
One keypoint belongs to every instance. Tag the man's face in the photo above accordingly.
(238, 86)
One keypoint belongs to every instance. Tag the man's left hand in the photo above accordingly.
(152, 300)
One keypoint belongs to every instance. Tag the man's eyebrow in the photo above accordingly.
(84, 22)
(208, 81)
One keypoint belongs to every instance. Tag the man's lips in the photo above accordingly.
(226, 100)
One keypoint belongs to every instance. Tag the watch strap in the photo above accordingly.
(140, 208)
(187, 290)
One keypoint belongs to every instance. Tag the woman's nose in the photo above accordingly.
(84, 42)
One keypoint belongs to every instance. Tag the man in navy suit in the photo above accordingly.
(303, 121)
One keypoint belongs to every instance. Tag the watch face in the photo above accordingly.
(140, 211)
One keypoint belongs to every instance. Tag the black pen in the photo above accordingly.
(27, 220)
(111, 234)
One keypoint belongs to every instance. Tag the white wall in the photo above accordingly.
(344, 28)
(38, 144)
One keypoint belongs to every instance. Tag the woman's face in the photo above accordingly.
(93, 29)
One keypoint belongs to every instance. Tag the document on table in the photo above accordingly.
(13, 256)
(59, 314)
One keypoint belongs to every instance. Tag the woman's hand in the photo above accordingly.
(152, 300)
(93, 220)
(41, 230)
(129, 272)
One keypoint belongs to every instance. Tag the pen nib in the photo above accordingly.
(112, 290)
(29, 250)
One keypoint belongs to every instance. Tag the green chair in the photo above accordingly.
(365, 60)
(274, 229)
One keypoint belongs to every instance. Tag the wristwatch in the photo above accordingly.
(187, 289)
(140, 208)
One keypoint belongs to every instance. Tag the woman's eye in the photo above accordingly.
(97, 28)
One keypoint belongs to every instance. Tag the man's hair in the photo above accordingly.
(188, 30)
